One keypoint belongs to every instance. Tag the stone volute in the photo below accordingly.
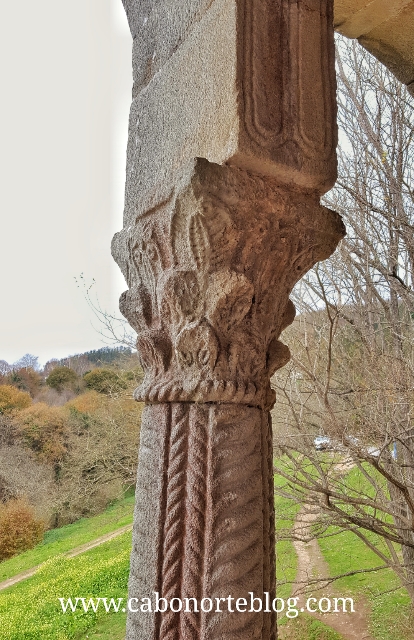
(231, 143)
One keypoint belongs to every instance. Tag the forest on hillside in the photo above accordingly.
(68, 440)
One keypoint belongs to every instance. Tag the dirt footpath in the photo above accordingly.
(70, 554)
(311, 565)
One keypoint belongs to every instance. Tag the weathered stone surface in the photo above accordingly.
(240, 86)
(392, 43)
(231, 142)
(385, 28)
(149, 515)
(158, 30)
(354, 18)
(210, 532)
(210, 271)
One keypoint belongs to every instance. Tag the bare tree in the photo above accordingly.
(102, 456)
(28, 361)
(352, 376)
(5, 368)
(113, 328)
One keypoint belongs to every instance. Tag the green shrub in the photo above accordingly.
(105, 381)
(11, 399)
(61, 378)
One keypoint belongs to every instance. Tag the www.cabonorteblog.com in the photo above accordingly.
(250, 604)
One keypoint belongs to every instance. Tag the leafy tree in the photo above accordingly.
(45, 431)
(11, 399)
(107, 355)
(101, 461)
(105, 381)
(72, 458)
(25, 379)
(61, 378)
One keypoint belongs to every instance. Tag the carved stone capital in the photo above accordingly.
(209, 271)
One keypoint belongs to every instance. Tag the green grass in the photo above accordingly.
(306, 628)
(286, 566)
(389, 602)
(346, 552)
(64, 539)
(31, 610)
(109, 628)
(381, 590)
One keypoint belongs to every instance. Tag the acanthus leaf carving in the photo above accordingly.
(229, 298)
(199, 241)
(197, 347)
(210, 299)
(180, 298)
(155, 350)
(136, 305)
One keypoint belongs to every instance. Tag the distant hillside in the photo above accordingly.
(83, 362)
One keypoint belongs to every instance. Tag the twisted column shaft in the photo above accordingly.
(214, 507)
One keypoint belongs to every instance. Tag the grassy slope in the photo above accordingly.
(346, 552)
(389, 603)
(286, 512)
(32, 606)
(303, 627)
(73, 535)
(307, 628)
(108, 628)
(31, 610)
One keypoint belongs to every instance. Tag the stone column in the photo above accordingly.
(232, 142)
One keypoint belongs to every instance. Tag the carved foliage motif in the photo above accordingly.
(210, 272)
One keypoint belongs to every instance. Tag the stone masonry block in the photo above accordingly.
(243, 82)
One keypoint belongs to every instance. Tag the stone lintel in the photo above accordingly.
(385, 28)
(363, 17)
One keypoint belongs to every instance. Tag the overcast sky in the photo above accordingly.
(66, 84)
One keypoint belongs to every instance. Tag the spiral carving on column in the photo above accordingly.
(233, 557)
(174, 525)
(195, 519)
(216, 509)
